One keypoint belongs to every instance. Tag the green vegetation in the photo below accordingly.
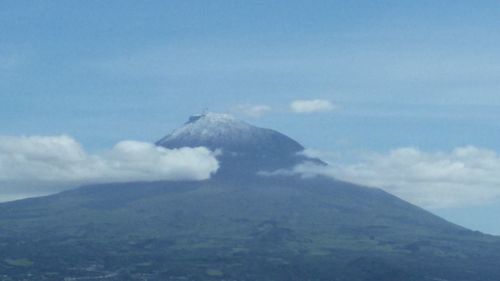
(245, 229)
(214, 273)
(19, 262)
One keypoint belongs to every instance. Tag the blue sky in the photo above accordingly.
(422, 74)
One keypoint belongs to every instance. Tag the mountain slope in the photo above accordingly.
(237, 226)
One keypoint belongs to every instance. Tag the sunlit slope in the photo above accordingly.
(239, 225)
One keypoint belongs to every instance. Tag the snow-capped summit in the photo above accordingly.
(209, 129)
(223, 131)
(244, 146)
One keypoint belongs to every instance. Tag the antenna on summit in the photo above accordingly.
(204, 111)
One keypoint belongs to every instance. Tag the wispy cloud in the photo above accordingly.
(61, 160)
(311, 106)
(462, 177)
(254, 111)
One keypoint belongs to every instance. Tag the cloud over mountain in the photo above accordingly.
(465, 176)
(311, 106)
(61, 160)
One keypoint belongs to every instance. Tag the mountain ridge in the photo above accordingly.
(237, 226)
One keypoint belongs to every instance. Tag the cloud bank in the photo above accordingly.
(61, 160)
(311, 106)
(462, 177)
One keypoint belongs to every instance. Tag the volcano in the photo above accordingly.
(245, 149)
(237, 225)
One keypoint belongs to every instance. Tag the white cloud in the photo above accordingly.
(313, 153)
(254, 111)
(60, 160)
(311, 106)
(462, 177)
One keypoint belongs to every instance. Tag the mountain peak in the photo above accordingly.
(209, 129)
(223, 131)
(212, 117)
(247, 147)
